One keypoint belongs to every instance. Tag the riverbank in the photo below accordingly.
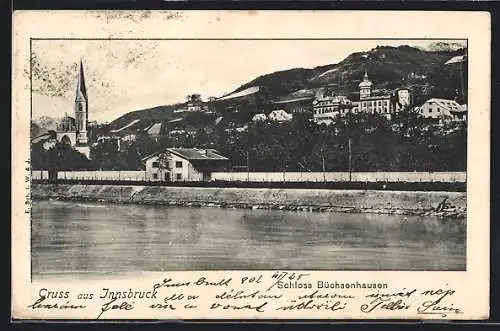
(314, 200)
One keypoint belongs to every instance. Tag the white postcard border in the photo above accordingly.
(471, 287)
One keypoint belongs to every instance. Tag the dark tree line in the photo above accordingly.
(405, 143)
(59, 157)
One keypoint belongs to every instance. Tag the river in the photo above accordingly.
(86, 239)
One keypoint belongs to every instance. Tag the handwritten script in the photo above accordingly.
(253, 295)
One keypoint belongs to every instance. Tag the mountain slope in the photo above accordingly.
(388, 67)
(281, 83)
(146, 117)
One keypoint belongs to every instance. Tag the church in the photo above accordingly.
(73, 130)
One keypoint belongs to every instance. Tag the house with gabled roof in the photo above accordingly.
(184, 164)
(443, 110)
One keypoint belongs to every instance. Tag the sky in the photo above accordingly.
(128, 75)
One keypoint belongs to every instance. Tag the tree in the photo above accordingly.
(193, 97)
(163, 164)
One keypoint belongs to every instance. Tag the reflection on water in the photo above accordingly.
(76, 238)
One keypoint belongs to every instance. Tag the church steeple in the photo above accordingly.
(81, 109)
(81, 90)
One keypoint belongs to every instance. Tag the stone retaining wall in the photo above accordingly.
(321, 200)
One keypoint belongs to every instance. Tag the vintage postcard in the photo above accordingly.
(250, 165)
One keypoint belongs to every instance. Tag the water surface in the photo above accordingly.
(83, 239)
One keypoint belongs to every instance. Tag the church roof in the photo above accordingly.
(366, 82)
(81, 90)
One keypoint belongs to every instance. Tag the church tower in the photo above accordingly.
(81, 115)
(81, 109)
(73, 131)
(365, 87)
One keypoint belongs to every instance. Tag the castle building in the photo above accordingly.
(386, 104)
(74, 130)
(327, 108)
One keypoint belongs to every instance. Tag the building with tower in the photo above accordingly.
(365, 87)
(327, 107)
(74, 130)
(386, 104)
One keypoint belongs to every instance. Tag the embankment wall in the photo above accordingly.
(391, 202)
(379, 176)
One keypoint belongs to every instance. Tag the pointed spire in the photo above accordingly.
(365, 77)
(81, 90)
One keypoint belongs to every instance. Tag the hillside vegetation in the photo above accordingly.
(423, 71)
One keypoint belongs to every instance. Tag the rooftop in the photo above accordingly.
(451, 105)
(197, 154)
(294, 100)
(366, 82)
(192, 154)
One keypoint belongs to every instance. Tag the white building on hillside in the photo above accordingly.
(443, 110)
(184, 164)
(327, 108)
(279, 115)
(259, 117)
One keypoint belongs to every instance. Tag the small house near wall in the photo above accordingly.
(184, 164)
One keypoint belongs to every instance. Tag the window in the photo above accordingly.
(155, 164)
(178, 164)
(155, 176)
(178, 176)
